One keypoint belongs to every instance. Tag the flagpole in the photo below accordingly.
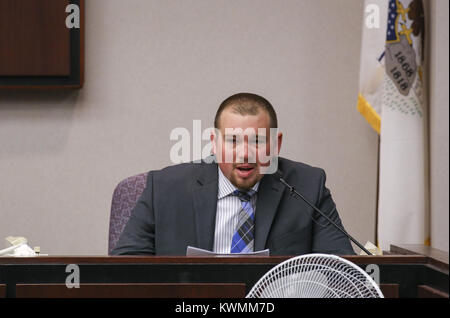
(377, 194)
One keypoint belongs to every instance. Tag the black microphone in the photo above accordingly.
(278, 175)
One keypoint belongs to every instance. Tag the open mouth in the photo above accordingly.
(245, 170)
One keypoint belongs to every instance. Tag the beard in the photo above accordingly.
(245, 183)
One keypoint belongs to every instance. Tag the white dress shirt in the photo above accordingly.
(227, 214)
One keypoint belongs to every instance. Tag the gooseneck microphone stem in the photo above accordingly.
(293, 191)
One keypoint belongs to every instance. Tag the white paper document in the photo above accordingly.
(194, 251)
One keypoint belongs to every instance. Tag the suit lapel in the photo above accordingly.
(269, 194)
(205, 204)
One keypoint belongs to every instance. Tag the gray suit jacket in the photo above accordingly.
(178, 209)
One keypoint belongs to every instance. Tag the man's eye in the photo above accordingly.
(257, 141)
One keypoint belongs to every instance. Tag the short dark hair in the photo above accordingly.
(247, 104)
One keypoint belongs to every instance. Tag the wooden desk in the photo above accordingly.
(155, 276)
(436, 257)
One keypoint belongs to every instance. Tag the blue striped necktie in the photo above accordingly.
(243, 238)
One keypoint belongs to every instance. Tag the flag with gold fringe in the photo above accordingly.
(392, 100)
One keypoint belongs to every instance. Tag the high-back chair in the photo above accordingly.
(125, 196)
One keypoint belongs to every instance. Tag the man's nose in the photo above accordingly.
(245, 153)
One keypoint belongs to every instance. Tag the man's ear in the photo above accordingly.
(280, 140)
(213, 142)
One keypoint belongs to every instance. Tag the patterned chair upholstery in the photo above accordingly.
(125, 196)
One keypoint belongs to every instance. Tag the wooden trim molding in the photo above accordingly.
(37, 51)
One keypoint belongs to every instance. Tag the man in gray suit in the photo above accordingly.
(233, 204)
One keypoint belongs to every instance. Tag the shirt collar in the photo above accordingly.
(226, 187)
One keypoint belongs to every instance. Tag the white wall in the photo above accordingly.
(154, 65)
(439, 126)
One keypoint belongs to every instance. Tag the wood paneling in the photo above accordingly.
(34, 39)
(361, 260)
(400, 275)
(424, 291)
(389, 290)
(163, 290)
(437, 257)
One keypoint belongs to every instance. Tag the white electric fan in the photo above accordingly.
(316, 276)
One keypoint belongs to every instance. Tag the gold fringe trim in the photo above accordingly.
(369, 113)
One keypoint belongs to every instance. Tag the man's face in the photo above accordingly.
(242, 146)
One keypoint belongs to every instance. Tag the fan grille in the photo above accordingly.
(316, 276)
